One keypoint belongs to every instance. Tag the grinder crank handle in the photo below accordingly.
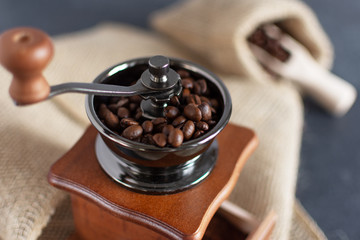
(25, 52)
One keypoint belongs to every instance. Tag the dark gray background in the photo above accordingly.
(329, 182)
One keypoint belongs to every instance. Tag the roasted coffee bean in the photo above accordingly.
(132, 132)
(193, 98)
(205, 99)
(109, 118)
(147, 126)
(126, 122)
(175, 101)
(272, 45)
(183, 73)
(190, 99)
(138, 114)
(137, 139)
(159, 120)
(205, 111)
(112, 121)
(197, 88)
(159, 127)
(123, 112)
(258, 37)
(180, 125)
(192, 112)
(185, 92)
(187, 83)
(160, 139)
(114, 100)
(211, 123)
(176, 137)
(122, 102)
(135, 99)
(188, 129)
(102, 111)
(198, 133)
(213, 110)
(179, 120)
(203, 85)
(133, 107)
(113, 108)
(167, 129)
(208, 92)
(197, 99)
(148, 139)
(171, 112)
(202, 126)
(214, 103)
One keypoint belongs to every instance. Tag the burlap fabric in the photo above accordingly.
(35, 136)
(218, 31)
(31, 139)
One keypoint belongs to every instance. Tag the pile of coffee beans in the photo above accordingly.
(186, 117)
(271, 45)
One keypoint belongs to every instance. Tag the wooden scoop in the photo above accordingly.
(331, 92)
(25, 52)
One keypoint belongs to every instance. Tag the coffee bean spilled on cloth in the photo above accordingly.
(186, 117)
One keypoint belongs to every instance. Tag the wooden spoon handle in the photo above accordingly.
(25, 52)
(332, 92)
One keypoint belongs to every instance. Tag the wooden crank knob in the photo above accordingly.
(25, 52)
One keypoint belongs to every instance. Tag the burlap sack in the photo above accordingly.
(218, 31)
(35, 136)
(32, 138)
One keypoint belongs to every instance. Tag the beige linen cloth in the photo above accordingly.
(33, 137)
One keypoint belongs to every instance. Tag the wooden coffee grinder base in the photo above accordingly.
(103, 209)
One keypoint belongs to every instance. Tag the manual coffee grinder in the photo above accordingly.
(124, 188)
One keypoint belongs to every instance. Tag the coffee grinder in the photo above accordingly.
(126, 189)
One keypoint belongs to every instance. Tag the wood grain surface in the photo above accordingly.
(183, 215)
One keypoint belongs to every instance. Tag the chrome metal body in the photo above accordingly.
(160, 160)
(100, 89)
(155, 180)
